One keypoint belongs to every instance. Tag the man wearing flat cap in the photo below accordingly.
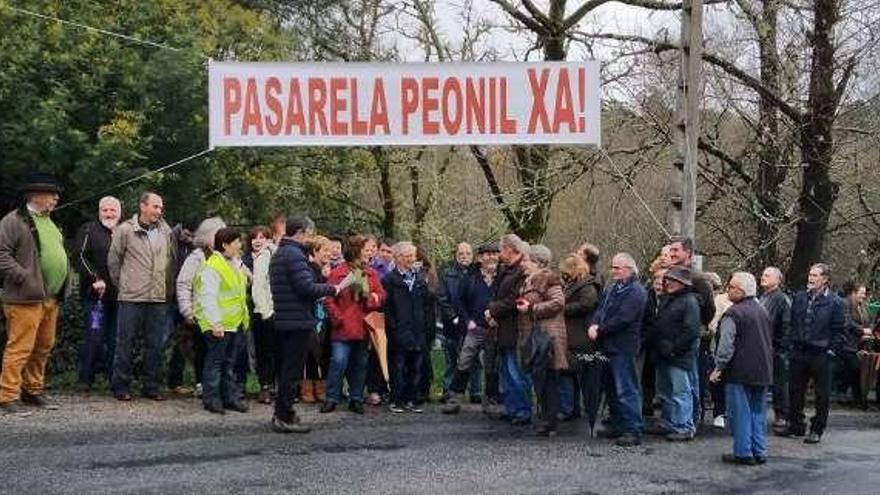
(34, 268)
(675, 339)
(477, 291)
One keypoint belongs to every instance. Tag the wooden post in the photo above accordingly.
(687, 121)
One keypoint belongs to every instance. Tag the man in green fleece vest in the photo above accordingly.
(34, 268)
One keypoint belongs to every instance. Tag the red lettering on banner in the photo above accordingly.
(338, 105)
(379, 109)
(430, 103)
(493, 105)
(475, 104)
(564, 111)
(409, 100)
(539, 111)
(317, 102)
(451, 87)
(252, 117)
(231, 102)
(358, 127)
(274, 124)
(582, 99)
(295, 114)
(508, 125)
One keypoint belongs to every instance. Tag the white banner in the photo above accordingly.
(349, 104)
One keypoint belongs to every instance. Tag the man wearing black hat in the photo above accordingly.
(476, 294)
(675, 340)
(34, 268)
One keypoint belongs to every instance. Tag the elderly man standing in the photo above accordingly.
(477, 293)
(409, 313)
(818, 323)
(452, 309)
(744, 359)
(617, 325)
(502, 316)
(97, 291)
(33, 267)
(778, 306)
(142, 265)
(681, 253)
(675, 335)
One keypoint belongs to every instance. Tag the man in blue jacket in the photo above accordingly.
(294, 292)
(452, 310)
(818, 323)
(617, 325)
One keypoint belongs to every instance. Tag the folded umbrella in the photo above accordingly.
(376, 325)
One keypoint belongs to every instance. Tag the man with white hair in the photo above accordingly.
(778, 306)
(502, 317)
(744, 359)
(617, 325)
(452, 312)
(409, 313)
(97, 291)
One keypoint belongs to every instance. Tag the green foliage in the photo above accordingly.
(97, 110)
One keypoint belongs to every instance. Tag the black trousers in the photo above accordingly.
(852, 379)
(264, 342)
(780, 386)
(806, 366)
(290, 356)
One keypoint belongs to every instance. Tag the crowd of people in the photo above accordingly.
(349, 322)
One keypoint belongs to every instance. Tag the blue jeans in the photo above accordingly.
(451, 351)
(348, 359)
(218, 380)
(624, 396)
(149, 320)
(569, 398)
(675, 390)
(517, 402)
(695, 374)
(406, 374)
(98, 345)
(747, 418)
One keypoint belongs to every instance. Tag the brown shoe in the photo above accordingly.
(307, 391)
(321, 390)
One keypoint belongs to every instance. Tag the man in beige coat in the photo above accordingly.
(141, 263)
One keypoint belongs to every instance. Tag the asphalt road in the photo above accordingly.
(96, 445)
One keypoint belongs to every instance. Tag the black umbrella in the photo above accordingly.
(592, 366)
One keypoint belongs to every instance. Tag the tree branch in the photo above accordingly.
(659, 46)
(497, 194)
(527, 21)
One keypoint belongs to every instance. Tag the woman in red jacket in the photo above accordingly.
(348, 332)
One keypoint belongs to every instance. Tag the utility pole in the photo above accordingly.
(687, 121)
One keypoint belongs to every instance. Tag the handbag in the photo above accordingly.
(538, 350)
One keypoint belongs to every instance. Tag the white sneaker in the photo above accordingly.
(198, 391)
(718, 422)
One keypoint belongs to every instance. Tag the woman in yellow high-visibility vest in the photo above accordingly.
(220, 289)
